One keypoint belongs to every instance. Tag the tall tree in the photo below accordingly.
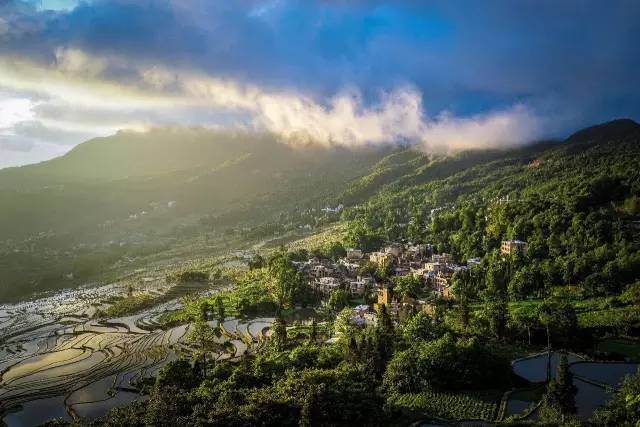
(284, 279)
(560, 401)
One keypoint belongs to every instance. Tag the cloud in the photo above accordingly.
(352, 73)
(80, 103)
(14, 110)
(76, 61)
(516, 125)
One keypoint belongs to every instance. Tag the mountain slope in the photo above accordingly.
(152, 191)
(577, 204)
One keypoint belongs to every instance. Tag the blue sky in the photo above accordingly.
(444, 75)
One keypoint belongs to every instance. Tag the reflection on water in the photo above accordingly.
(534, 369)
(61, 364)
(37, 412)
(610, 374)
(589, 397)
(590, 378)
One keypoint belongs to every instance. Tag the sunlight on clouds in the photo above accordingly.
(74, 88)
(75, 96)
(14, 110)
(76, 61)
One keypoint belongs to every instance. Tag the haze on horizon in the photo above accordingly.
(339, 73)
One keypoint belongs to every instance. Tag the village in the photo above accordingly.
(358, 274)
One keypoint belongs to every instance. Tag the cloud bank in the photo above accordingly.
(434, 75)
(76, 101)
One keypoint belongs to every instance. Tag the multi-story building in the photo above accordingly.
(442, 258)
(385, 295)
(381, 258)
(510, 246)
(435, 267)
(326, 285)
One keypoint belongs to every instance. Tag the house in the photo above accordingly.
(362, 316)
(416, 251)
(358, 287)
(326, 285)
(350, 267)
(426, 307)
(384, 295)
(442, 285)
(511, 246)
(381, 258)
(394, 250)
(447, 293)
(320, 270)
(435, 267)
(401, 270)
(442, 258)
(354, 254)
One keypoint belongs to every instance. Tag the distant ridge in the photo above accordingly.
(614, 129)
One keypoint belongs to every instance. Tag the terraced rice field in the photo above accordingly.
(55, 361)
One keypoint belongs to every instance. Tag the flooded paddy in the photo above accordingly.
(594, 381)
(56, 361)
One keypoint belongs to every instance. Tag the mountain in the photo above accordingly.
(576, 203)
(132, 194)
(139, 193)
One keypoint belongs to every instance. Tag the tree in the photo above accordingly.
(344, 325)
(631, 295)
(334, 251)
(559, 320)
(421, 327)
(407, 286)
(383, 340)
(444, 364)
(284, 280)
(219, 304)
(256, 262)
(623, 410)
(205, 337)
(462, 283)
(559, 401)
(204, 311)
(177, 373)
(313, 334)
(339, 299)
(280, 333)
(495, 310)
(524, 317)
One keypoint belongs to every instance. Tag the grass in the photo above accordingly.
(451, 406)
(612, 317)
(624, 346)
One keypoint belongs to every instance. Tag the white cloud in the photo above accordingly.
(15, 110)
(76, 61)
(515, 125)
(75, 100)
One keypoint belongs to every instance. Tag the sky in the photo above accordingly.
(441, 75)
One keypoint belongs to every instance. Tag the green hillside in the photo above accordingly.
(136, 194)
(146, 191)
(576, 203)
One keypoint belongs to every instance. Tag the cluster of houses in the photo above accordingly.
(434, 271)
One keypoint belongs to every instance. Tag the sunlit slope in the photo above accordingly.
(203, 172)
